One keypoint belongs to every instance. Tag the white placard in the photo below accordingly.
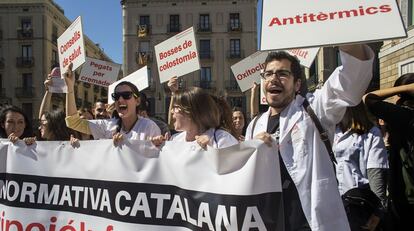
(98, 72)
(58, 84)
(305, 55)
(247, 71)
(304, 23)
(177, 55)
(71, 46)
(263, 100)
(139, 78)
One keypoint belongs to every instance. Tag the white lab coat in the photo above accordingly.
(302, 150)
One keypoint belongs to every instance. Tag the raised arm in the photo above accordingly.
(356, 50)
(45, 105)
(70, 96)
(382, 94)
(254, 106)
(173, 85)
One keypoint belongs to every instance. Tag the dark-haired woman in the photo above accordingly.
(126, 124)
(239, 122)
(399, 120)
(361, 154)
(14, 125)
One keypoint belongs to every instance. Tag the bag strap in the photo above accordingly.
(322, 132)
(254, 124)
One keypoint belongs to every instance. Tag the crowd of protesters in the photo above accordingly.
(365, 154)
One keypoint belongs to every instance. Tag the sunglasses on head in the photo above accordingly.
(124, 94)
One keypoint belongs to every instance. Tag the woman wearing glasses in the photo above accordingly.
(199, 117)
(126, 122)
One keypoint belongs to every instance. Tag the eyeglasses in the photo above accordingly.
(124, 94)
(43, 123)
(280, 74)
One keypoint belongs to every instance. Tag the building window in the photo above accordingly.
(174, 25)
(27, 51)
(205, 77)
(235, 51)
(238, 102)
(27, 81)
(144, 20)
(54, 34)
(28, 110)
(234, 24)
(26, 24)
(205, 49)
(143, 56)
(407, 67)
(144, 25)
(55, 59)
(204, 23)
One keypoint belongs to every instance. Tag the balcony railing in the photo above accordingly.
(235, 54)
(25, 33)
(86, 85)
(143, 58)
(143, 30)
(25, 92)
(2, 63)
(231, 85)
(206, 54)
(173, 28)
(25, 61)
(234, 27)
(206, 84)
(3, 92)
(204, 27)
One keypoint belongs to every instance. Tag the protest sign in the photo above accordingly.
(305, 23)
(58, 84)
(99, 186)
(99, 72)
(71, 46)
(139, 78)
(177, 55)
(247, 71)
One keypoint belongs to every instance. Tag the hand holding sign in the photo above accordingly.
(69, 78)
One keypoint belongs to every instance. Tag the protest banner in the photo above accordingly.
(58, 84)
(305, 23)
(139, 78)
(98, 72)
(247, 71)
(98, 186)
(177, 55)
(71, 46)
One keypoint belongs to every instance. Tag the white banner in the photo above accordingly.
(98, 186)
(177, 55)
(99, 72)
(304, 23)
(71, 46)
(139, 78)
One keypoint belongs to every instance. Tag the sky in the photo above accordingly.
(101, 22)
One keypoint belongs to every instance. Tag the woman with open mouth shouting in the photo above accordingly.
(126, 122)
